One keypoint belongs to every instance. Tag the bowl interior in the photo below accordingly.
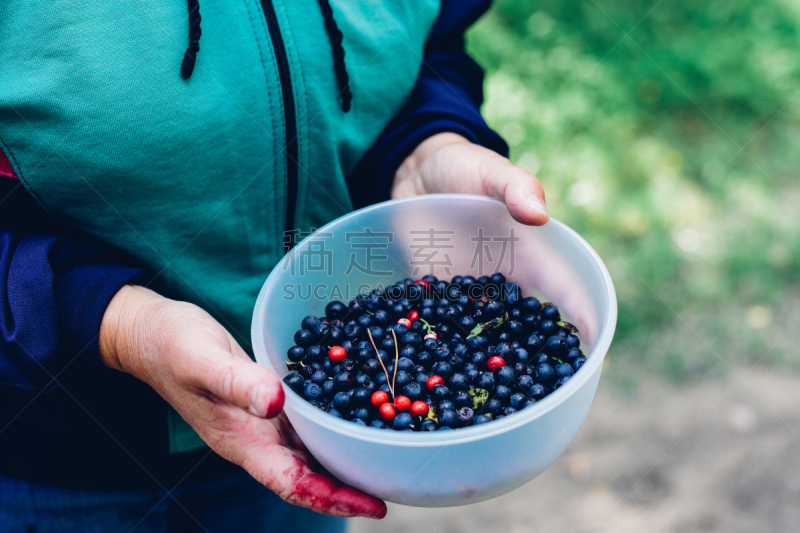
(443, 235)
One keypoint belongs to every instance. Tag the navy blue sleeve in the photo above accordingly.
(447, 97)
(54, 289)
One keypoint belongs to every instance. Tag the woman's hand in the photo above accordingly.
(234, 404)
(447, 162)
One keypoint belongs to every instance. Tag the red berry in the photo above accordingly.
(435, 380)
(402, 403)
(419, 408)
(387, 412)
(495, 362)
(413, 315)
(379, 397)
(430, 336)
(406, 322)
(423, 283)
(337, 354)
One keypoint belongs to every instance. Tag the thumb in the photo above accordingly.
(521, 191)
(239, 381)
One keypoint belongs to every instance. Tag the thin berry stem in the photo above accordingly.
(386, 372)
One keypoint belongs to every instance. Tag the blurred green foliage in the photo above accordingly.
(668, 134)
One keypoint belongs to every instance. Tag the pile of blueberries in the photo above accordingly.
(431, 355)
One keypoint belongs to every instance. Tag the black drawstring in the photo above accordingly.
(190, 56)
(335, 36)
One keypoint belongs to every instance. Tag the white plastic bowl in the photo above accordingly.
(440, 469)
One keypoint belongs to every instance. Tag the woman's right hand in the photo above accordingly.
(234, 404)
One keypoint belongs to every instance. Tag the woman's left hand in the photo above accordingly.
(449, 163)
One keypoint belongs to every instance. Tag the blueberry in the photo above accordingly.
(442, 353)
(559, 383)
(402, 421)
(515, 328)
(494, 309)
(296, 353)
(550, 312)
(399, 331)
(405, 364)
(377, 332)
(335, 413)
(564, 370)
(414, 391)
(538, 391)
(504, 349)
(303, 338)
(408, 352)
(440, 392)
(525, 383)
(467, 322)
(509, 411)
(445, 428)
(429, 344)
(481, 419)
(341, 401)
(448, 419)
(319, 377)
(295, 382)
(362, 413)
(533, 344)
(578, 363)
(555, 347)
(541, 359)
(573, 341)
(361, 379)
(442, 368)
(387, 344)
(371, 367)
(425, 359)
(480, 359)
(402, 379)
(494, 406)
(456, 362)
(422, 379)
(574, 353)
(312, 391)
(443, 332)
(531, 305)
(429, 425)
(361, 397)
(352, 331)
(309, 322)
(385, 388)
(503, 394)
(472, 376)
(328, 389)
(335, 310)
(510, 294)
(459, 382)
(528, 403)
(505, 375)
(462, 399)
(519, 369)
(486, 381)
(380, 318)
(548, 328)
(465, 416)
(545, 374)
(364, 320)
(358, 421)
(518, 401)
(377, 423)
(370, 386)
(445, 405)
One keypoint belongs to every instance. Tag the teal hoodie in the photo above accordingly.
(199, 180)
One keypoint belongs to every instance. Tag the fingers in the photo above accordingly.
(239, 381)
(284, 472)
(522, 192)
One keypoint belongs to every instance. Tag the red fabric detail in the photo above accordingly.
(5, 166)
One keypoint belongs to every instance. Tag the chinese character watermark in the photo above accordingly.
(425, 254)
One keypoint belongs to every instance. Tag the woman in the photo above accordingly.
(153, 161)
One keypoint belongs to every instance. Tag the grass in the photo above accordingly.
(668, 134)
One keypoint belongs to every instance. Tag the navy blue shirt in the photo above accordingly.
(57, 423)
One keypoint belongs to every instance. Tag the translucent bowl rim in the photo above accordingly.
(436, 438)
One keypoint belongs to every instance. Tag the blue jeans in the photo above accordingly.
(236, 503)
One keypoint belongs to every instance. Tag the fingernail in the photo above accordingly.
(536, 203)
(259, 400)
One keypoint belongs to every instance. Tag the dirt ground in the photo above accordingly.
(720, 456)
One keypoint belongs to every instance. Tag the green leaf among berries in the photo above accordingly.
(479, 397)
(431, 414)
(569, 327)
(486, 326)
